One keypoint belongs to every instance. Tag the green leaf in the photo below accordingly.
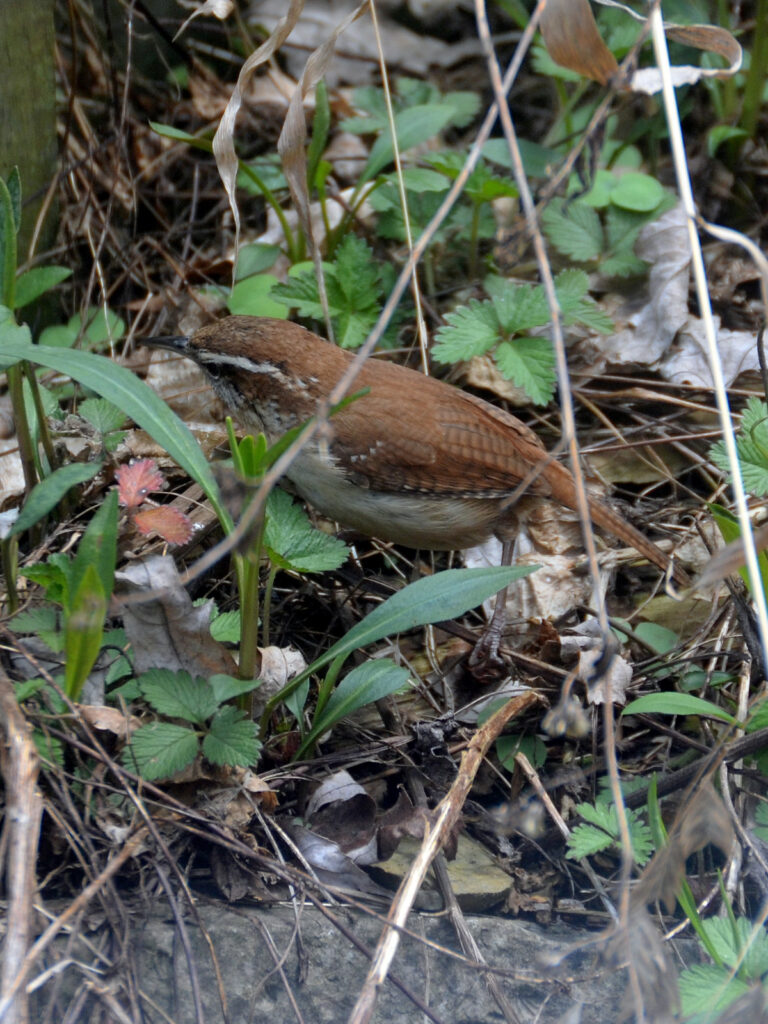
(357, 273)
(133, 396)
(58, 336)
(471, 331)
(300, 292)
(752, 445)
(676, 704)
(519, 307)
(707, 990)
(232, 739)
(636, 191)
(98, 547)
(225, 688)
(98, 326)
(412, 127)
(178, 695)
(252, 296)
(292, 541)
(11, 333)
(365, 684)
(53, 575)
(83, 629)
(730, 938)
(321, 122)
(161, 749)
(659, 638)
(34, 283)
(574, 229)
(255, 259)
(432, 599)
(721, 133)
(529, 362)
(225, 627)
(48, 493)
(102, 415)
(586, 840)
(531, 747)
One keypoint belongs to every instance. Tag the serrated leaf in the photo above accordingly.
(357, 273)
(292, 541)
(35, 282)
(161, 749)
(232, 739)
(470, 331)
(676, 704)
(102, 415)
(529, 362)
(519, 307)
(586, 840)
(708, 989)
(623, 264)
(353, 326)
(178, 695)
(574, 229)
(752, 447)
(729, 938)
(48, 493)
(136, 480)
(35, 620)
(299, 292)
(365, 684)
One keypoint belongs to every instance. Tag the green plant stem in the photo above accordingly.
(327, 685)
(474, 241)
(249, 615)
(295, 243)
(42, 420)
(8, 550)
(429, 273)
(26, 446)
(265, 618)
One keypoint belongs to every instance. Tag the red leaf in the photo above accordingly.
(170, 523)
(136, 480)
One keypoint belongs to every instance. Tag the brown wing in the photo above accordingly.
(448, 442)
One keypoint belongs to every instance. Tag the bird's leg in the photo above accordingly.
(485, 663)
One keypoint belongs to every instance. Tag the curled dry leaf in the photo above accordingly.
(165, 629)
(572, 38)
(573, 41)
(109, 720)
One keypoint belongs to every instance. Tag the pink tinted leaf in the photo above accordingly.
(136, 480)
(170, 523)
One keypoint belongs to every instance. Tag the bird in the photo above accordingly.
(415, 460)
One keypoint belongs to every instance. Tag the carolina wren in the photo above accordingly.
(416, 461)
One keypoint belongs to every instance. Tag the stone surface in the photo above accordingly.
(260, 959)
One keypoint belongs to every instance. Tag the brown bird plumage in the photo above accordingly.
(415, 461)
